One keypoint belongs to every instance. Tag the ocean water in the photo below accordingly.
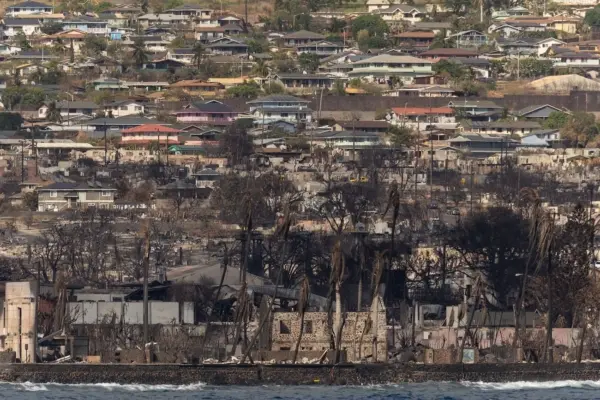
(571, 390)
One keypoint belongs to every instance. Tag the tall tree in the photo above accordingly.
(199, 52)
(140, 56)
(53, 113)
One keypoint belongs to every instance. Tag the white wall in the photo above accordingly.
(132, 313)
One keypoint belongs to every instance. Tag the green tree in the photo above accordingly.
(401, 136)
(140, 57)
(580, 129)
(21, 41)
(373, 24)
(10, 121)
(94, 45)
(30, 201)
(169, 4)
(102, 7)
(592, 17)
(256, 46)
(260, 68)
(309, 62)
(458, 7)
(199, 53)
(338, 88)
(50, 28)
(53, 113)
(248, 90)
(556, 120)
(21, 95)
(450, 69)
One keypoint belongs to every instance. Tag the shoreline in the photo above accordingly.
(252, 375)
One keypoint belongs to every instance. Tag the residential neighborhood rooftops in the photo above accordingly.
(449, 52)
(279, 98)
(151, 128)
(304, 35)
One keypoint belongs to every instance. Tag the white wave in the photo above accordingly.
(34, 387)
(522, 385)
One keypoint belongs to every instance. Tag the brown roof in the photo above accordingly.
(195, 83)
(416, 35)
(363, 124)
(448, 53)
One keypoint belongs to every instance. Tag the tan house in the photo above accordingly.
(64, 195)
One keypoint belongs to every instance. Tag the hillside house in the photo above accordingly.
(321, 48)
(384, 66)
(29, 27)
(70, 108)
(198, 87)
(212, 113)
(469, 39)
(269, 109)
(401, 13)
(143, 135)
(301, 38)
(227, 46)
(87, 24)
(124, 108)
(29, 7)
(65, 195)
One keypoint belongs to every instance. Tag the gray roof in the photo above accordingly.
(89, 185)
(183, 51)
(77, 104)
(402, 7)
(303, 76)
(479, 138)
(304, 35)
(129, 120)
(474, 104)
(21, 21)
(29, 4)
(346, 134)
(279, 98)
(433, 25)
(533, 108)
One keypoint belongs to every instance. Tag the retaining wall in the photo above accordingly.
(292, 374)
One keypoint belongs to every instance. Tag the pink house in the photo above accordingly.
(212, 113)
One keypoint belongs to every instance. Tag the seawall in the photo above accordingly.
(292, 374)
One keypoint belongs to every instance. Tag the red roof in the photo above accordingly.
(150, 128)
(422, 110)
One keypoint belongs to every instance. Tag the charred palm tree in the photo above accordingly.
(303, 296)
(283, 230)
(338, 271)
(541, 236)
(371, 323)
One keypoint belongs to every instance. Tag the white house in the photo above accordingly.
(577, 59)
(278, 107)
(8, 49)
(29, 7)
(384, 66)
(87, 24)
(70, 108)
(374, 5)
(123, 108)
(29, 26)
(401, 12)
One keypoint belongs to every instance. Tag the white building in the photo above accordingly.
(280, 108)
(123, 108)
(29, 26)
(29, 7)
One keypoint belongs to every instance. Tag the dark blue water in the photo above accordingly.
(568, 390)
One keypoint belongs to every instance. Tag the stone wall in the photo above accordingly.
(293, 374)
(286, 329)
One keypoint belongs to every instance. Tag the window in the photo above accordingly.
(53, 194)
(308, 327)
(284, 328)
(124, 108)
(106, 193)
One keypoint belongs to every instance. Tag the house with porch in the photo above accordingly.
(70, 108)
(483, 146)
(266, 110)
(423, 118)
(480, 110)
(301, 82)
(191, 11)
(185, 55)
(227, 46)
(213, 113)
(469, 39)
(303, 37)
(59, 196)
(507, 128)
(73, 37)
(124, 108)
(322, 48)
(145, 134)
(29, 7)
(91, 25)
(383, 66)
(198, 87)
(401, 13)
(28, 26)
(415, 38)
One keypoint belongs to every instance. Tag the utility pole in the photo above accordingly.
(22, 161)
(105, 145)
(146, 267)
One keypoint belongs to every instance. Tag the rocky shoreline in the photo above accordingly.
(292, 374)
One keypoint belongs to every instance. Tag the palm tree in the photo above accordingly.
(303, 295)
(139, 52)
(198, 52)
(260, 68)
(53, 113)
(338, 271)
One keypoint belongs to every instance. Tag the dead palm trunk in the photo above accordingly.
(285, 228)
(303, 296)
(337, 274)
(394, 201)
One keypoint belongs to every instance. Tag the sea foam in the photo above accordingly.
(522, 385)
(37, 387)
